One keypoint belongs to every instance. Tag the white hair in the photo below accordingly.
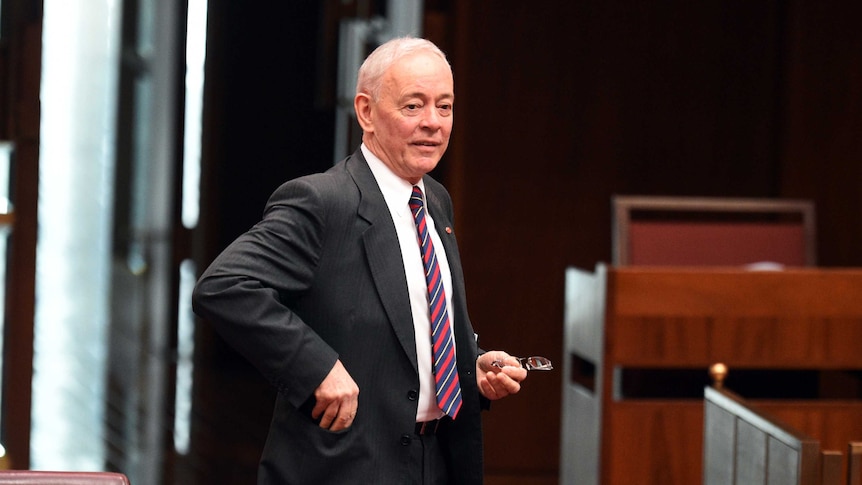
(383, 57)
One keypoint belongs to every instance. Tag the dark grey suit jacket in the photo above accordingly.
(321, 278)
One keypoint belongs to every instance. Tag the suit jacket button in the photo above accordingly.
(405, 439)
(413, 395)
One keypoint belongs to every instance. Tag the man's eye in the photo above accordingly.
(444, 109)
(412, 107)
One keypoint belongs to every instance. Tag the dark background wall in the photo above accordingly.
(560, 105)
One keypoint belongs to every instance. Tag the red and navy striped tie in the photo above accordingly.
(442, 341)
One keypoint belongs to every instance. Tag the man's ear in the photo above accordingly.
(362, 106)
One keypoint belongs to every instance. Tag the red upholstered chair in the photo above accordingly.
(712, 231)
(29, 477)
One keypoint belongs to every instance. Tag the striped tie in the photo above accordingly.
(442, 341)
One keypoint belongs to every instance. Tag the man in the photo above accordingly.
(328, 297)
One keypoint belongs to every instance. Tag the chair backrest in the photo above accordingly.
(710, 231)
(32, 477)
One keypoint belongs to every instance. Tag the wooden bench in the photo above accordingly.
(638, 341)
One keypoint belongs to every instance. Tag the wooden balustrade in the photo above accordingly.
(745, 444)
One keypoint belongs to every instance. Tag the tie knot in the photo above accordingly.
(416, 198)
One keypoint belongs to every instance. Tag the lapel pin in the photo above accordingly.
(448, 230)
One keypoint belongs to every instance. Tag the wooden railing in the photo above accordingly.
(747, 445)
(854, 463)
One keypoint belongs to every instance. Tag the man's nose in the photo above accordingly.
(431, 118)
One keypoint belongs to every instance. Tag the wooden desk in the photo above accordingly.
(636, 338)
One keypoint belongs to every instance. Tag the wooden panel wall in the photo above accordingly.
(561, 104)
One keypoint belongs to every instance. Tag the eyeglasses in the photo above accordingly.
(530, 363)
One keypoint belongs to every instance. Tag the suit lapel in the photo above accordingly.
(384, 255)
(463, 329)
(443, 225)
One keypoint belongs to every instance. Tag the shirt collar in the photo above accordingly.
(396, 190)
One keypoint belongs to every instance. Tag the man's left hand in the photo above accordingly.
(496, 382)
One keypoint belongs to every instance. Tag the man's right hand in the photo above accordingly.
(337, 399)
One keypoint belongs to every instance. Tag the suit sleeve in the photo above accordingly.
(246, 293)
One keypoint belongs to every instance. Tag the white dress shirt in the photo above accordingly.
(397, 192)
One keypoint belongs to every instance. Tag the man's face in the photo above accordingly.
(408, 128)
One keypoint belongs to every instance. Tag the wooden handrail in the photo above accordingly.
(807, 449)
(854, 465)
